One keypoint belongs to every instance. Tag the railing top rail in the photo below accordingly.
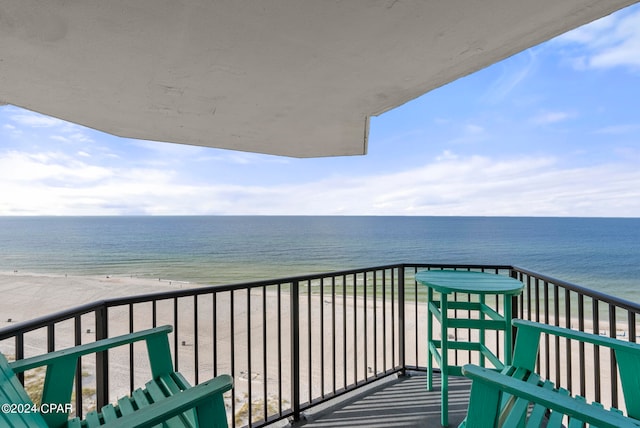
(36, 323)
(458, 266)
(25, 326)
(598, 295)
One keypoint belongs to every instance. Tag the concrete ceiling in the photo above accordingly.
(287, 77)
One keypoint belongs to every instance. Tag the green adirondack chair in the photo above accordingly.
(518, 397)
(500, 401)
(167, 400)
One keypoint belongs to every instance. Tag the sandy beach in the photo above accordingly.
(29, 295)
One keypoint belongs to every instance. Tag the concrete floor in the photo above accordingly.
(401, 402)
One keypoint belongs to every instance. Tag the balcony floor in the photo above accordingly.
(401, 402)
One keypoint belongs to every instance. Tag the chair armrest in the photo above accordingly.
(549, 398)
(161, 411)
(627, 355)
(88, 348)
(581, 336)
(61, 365)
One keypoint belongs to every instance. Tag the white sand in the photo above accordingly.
(27, 295)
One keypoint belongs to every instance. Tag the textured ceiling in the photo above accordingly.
(286, 77)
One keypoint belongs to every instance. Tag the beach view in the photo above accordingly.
(254, 189)
(93, 268)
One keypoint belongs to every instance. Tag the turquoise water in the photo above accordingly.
(600, 253)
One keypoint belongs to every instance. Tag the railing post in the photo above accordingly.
(77, 333)
(20, 353)
(102, 359)
(295, 349)
(51, 337)
(401, 323)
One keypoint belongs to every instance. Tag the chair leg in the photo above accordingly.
(212, 413)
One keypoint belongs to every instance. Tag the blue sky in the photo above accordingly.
(552, 131)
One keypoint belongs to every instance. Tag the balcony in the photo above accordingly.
(296, 346)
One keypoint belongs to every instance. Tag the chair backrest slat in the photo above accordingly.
(13, 394)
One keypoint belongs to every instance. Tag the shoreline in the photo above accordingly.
(29, 295)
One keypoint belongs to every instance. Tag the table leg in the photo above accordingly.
(508, 336)
(429, 339)
(481, 329)
(444, 356)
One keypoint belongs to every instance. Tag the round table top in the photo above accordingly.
(451, 281)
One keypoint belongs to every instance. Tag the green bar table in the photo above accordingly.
(479, 284)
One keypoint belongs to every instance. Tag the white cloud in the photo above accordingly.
(549, 117)
(56, 184)
(60, 138)
(592, 33)
(173, 151)
(612, 41)
(618, 129)
(480, 186)
(447, 155)
(26, 121)
(48, 167)
(453, 185)
(80, 137)
(469, 186)
(470, 133)
(240, 158)
(474, 129)
(514, 72)
(11, 130)
(35, 120)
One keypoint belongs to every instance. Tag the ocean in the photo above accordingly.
(599, 253)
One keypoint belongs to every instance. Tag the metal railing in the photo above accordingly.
(295, 342)
(584, 370)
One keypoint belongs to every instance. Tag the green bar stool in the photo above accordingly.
(446, 282)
